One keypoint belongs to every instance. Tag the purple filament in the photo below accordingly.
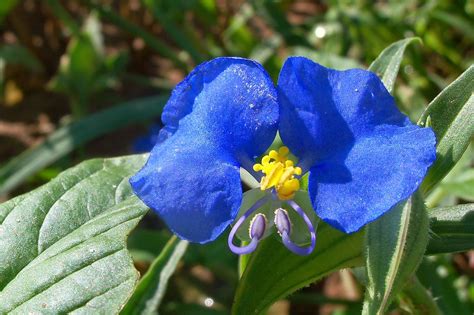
(303, 251)
(253, 244)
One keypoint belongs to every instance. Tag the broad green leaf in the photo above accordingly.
(69, 137)
(387, 64)
(462, 186)
(63, 245)
(452, 229)
(451, 115)
(273, 272)
(150, 291)
(395, 245)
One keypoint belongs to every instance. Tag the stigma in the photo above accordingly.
(279, 173)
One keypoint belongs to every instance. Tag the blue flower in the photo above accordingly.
(363, 156)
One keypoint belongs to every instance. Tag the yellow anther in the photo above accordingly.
(298, 171)
(279, 173)
(273, 154)
(257, 167)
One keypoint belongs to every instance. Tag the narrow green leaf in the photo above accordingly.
(273, 272)
(387, 64)
(20, 55)
(63, 245)
(395, 244)
(151, 40)
(176, 32)
(149, 292)
(420, 301)
(451, 115)
(63, 15)
(69, 137)
(438, 275)
(452, 229)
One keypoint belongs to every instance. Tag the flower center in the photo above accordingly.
(279, 173)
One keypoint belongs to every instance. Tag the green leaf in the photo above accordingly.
(184, 40)
(451, 115)
(418, 300)
(395, 244)
(387, 64)
(149, 292)
(63, 244)
(273, 272)
(69, 137)
(63, 15)
(155, 43)
(438, 274)
(18, 54)
(452, 229)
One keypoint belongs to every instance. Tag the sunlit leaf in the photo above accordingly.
(387, 64)
(395, 245)
(63, 245)
(451, 115)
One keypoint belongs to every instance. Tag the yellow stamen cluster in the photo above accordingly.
(279, 173)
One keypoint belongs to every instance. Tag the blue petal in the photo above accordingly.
(233, 100)
(194, 187)
(380, 170)
(364, 155)
(323, 110)
(218, 119)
